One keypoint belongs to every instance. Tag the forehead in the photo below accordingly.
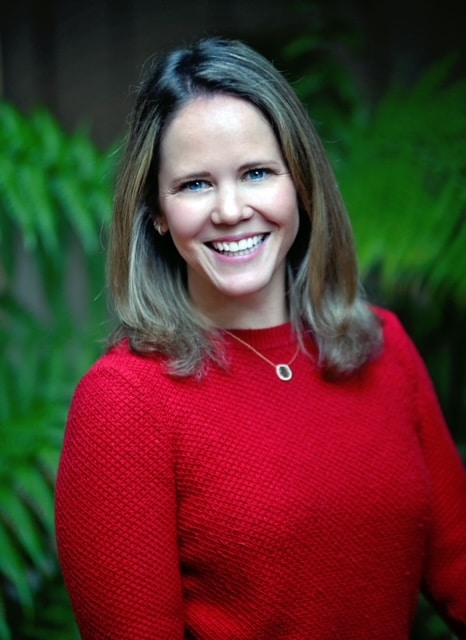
(215, 111)
(217, 124)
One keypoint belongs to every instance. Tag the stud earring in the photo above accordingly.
(158, 227)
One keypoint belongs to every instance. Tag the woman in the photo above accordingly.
(259, 454)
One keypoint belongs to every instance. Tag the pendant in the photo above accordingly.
(284, 372)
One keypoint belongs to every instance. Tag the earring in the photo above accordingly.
(158, 228)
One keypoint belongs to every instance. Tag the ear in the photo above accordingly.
(160, 225)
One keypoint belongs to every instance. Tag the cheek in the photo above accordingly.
(290, 219)
(287, 211)
(294, 226)
(184, 222)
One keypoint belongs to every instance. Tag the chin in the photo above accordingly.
(242, 291)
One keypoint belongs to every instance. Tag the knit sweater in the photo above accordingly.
(243, 507)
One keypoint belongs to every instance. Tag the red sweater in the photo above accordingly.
(243, 507)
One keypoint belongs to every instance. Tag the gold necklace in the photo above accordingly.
(282, 370)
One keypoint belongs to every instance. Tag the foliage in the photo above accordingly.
(328, 60)
(408, 204)
(402, 174)
(54, 195)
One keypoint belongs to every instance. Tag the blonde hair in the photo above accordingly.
(147, 276)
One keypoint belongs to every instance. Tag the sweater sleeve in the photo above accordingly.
(116, 513)
(445, 565)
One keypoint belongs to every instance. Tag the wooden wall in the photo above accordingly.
(80, 57)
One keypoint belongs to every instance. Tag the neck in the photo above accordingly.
(249, 320)
(264, 307)
(243, 313)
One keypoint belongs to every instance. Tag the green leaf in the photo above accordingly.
(34, 488)
(302, 45)
(38, 201)
(50, 139)
(14, 569)
(73, 204)
(14, 203)
(5, 633)
(23, 526)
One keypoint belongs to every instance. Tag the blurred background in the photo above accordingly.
(385, 84)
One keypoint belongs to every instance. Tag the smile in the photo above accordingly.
(241, 247)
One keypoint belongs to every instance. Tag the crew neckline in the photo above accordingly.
(266, 337)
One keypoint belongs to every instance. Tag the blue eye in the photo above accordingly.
(195, 185)
(257, 174)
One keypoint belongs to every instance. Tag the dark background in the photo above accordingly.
(80, 57)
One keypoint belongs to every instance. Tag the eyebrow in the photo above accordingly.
(261, 163)
(178, 180)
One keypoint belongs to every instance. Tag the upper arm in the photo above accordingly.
(116, 514)
(445, 566)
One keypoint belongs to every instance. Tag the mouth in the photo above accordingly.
(242, 247)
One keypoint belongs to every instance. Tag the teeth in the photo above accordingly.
(244, 245)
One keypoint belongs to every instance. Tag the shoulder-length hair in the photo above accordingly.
(147, 276)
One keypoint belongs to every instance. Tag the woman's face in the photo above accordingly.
(230, 206)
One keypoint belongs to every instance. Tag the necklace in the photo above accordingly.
(282, 370)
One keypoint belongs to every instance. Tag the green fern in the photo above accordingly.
(403, 178)
(55, 195)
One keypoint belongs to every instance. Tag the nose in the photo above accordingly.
(230, 206)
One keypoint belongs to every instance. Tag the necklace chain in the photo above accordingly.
(283, 370)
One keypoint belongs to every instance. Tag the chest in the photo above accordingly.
(299, 460)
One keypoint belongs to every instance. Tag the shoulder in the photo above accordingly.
(120, 366)
(400, 356)
(393, 329)
(397, 344)
(119, 386)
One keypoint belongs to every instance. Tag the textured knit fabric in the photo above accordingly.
(242, 507)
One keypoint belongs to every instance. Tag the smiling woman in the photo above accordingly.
(259, 454)
(157, 313)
